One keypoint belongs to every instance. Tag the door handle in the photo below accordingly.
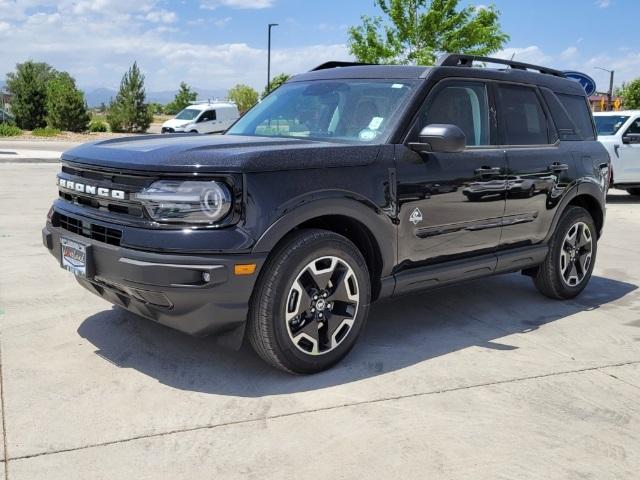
(558, 167)
(488, 171)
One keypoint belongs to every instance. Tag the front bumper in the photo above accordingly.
(198, 295)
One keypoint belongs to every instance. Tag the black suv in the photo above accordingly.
(348, 184)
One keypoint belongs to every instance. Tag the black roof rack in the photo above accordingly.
(334, 64)
(460, 60)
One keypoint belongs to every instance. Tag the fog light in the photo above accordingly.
(206, 276)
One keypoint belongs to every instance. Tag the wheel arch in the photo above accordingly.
(586, 195)
(371, 232)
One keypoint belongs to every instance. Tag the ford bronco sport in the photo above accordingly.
(348, 184)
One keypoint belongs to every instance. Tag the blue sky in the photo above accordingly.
(214, 44)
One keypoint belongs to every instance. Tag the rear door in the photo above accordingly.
(451, 204)
(539, 165)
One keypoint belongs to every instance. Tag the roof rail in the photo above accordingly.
(460, 60)
(335, 64)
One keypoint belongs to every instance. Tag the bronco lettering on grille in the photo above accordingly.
(91, 189)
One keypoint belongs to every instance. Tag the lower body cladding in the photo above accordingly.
(199, 295)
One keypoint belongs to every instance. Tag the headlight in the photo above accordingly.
(195, 202)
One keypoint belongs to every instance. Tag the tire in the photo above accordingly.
(194, 131)
(551, 278)
(279, 318)
(633, 191)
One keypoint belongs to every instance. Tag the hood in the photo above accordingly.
(218, 153)
(174, 122)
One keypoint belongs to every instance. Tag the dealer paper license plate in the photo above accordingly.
(74, 256)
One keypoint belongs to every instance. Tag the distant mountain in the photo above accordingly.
(99, 95)
(96, 96)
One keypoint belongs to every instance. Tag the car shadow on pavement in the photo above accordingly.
(400, 333)
(624, 198)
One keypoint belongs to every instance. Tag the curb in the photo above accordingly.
(29, 160)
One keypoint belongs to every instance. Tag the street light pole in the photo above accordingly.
(610, 92)
(271, 25)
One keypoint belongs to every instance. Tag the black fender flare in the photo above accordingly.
(374, 219)
(587, 188)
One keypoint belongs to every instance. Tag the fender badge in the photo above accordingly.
(416, 216)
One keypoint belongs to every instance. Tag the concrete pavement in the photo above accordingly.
(32, 151)
(483, 380)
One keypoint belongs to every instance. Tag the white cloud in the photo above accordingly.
(531, 54)
(222, 22)
(625, 63)
(98, 47)
(161, 16)
(569, 53)
(240, 4)
(603, 3)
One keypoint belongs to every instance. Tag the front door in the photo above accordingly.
(629, 153)
(207, 122)
(451, 204)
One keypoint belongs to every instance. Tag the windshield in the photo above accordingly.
(609, 124)
(347, 110)
(188, 114)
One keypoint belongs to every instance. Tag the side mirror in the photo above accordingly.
(631, 138)
(440, 138)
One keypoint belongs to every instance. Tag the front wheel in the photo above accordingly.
(310, 303)
(572, 253)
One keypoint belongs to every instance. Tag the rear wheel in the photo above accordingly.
(572, 253)
(310, 303)
(633, 191)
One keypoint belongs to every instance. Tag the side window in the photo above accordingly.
(634, 127)
(523, 118)
(208, 116)
(566, 128)
(577, 107)
(464, 104)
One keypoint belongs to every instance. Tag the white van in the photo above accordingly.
(203, 117)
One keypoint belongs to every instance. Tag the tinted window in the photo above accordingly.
(566, 128)
(580, 114)
(609, 124)
(464, 104)
(523, 119)
(634, 127)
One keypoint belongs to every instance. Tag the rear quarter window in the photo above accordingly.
(565, 126)
(576, 107)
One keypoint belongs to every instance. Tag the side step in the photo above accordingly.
(432, 276)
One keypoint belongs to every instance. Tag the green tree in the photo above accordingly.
(156, 108)
(182, 100)
(417, 31)
(65, 105)
(129, 112)
(244, 97)
(631, 95)
(28, 87)
(275, 83)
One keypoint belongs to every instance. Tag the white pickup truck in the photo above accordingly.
(619, 132)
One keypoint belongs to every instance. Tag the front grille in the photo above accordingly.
(106, 179)
(112, 236)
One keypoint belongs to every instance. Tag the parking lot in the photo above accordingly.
(483, 380)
